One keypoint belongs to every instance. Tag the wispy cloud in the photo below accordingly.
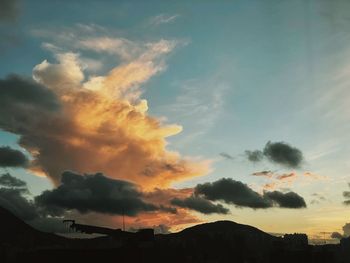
(163, 19)
(199, 105)
(226, 156)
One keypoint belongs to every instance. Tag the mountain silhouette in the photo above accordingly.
(15, 232)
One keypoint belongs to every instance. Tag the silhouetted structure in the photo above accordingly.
(88, 229)
(222, 241)
(296, 241)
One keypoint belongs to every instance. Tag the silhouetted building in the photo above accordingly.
(296, 241)
(345, 249)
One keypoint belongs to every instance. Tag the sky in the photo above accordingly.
(177, 113)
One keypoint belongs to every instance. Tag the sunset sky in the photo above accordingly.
(177, 112)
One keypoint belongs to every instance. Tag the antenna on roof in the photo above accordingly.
(123, 220)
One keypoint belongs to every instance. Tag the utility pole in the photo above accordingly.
(324, 236)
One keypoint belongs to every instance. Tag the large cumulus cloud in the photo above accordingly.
(69, 120)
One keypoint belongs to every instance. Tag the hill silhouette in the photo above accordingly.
(225, 227)
(15, 232)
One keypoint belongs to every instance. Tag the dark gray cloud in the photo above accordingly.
(22, 91)
(10, 181)
(286, 200)
(199, 204)
(346, 195)
(254, 156)
(263, 173)
(278, 152)
(14, 200)
(241, 195)
(25, 106)
(226, 156)
(14, 197)
(94, 193)
(9, 10)
(283, 154)
(9, 31)
(12, 158)
(232, 192)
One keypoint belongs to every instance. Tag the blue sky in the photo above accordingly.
(242, 73)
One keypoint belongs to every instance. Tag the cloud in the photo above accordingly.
(9, 10)
(12, 158)
(254, 156)
(200, 205)
(161, 229)
(286, 176)
(232, 192)
(96, 39)
(239, 194)
(95, 192)
(346, 232)
(122, 47)
(286, 200)
(263, 173)
(14, 200)
(9, 31)
(283, 154)
(21, 93)
(163, 19)
(8, 180)
(318, 198)
(278, 152)
(14, 197)
(67, 73)
(226, 156)
(13, 193)
(95, 123)
(346, 195)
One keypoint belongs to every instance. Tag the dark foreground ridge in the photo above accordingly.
(222, 241)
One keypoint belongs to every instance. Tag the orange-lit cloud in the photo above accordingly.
(279, 181)
(104, 126)
(100, 123)
(268, 174)
(289, 176)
